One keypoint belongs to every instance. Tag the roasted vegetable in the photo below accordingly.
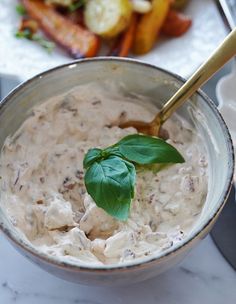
(75, 24)
(176, 24)
(124, 43)
(149, 26)
(107, 18)
(78, 41)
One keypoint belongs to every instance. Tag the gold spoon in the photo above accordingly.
(217, 60)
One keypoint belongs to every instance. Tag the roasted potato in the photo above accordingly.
(107, 18)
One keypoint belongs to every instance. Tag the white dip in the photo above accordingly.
(43, 192)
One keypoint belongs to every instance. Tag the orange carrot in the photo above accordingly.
(78, 41)
(123, 44)
(128, 37)
(176, 24)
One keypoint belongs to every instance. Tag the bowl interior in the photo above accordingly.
(143, 79)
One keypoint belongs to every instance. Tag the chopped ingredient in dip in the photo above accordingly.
(43, 191)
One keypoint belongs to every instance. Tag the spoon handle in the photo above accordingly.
(220, 56)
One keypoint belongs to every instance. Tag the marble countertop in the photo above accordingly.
(203, 277)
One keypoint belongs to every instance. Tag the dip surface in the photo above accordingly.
(43, 192)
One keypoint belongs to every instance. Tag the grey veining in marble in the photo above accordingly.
(203, 277)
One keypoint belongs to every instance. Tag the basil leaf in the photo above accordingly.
(143, 149)
(110, 183)
(110, 174)
(113, 150)
(132, 176)
(91, 156)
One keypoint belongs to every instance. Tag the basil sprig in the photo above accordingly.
(110, 173)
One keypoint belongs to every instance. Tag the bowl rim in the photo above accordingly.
(103, 269)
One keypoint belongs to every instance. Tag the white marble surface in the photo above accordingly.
(203, 277)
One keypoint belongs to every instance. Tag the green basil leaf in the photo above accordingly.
(110, 182)
(113, 150)
(143, 149)
(91, 156)
(132, 176)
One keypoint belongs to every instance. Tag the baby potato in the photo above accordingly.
(107, 18)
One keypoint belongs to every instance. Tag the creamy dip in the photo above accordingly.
(43, 192)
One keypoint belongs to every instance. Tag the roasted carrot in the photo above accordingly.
(149, 26)
(128, 37)
(78, 41)
(124, 43)
(176, 24)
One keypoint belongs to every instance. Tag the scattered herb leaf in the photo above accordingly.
(21, 9)
(24, 34)
(110, 173)
(76, 5)
(46, 44)
(27, 34)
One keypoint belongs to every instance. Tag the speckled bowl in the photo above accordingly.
(159, 85)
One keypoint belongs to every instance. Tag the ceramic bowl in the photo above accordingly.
(158, 85)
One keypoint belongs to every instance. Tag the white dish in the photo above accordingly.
(23, 59)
